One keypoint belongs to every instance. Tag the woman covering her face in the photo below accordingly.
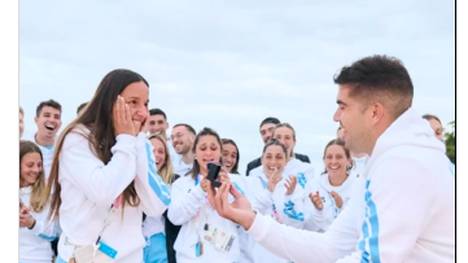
(104, 175)
(204, 236)
(36, 231)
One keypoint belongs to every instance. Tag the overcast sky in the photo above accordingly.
(229, 65)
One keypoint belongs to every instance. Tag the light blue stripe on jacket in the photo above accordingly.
(369, 244)
(154, 180)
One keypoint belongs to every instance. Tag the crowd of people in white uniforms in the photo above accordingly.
(114, 187)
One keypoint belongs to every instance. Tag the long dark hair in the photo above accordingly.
(206, 131)
(96, 116)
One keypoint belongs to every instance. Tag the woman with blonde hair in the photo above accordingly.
(160, 233)
(35, 231)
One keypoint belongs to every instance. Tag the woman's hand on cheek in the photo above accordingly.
(122, 118)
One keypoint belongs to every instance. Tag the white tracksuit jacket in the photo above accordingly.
(286, 209)
(190, 208)
(153, 225)
(34, 244)
(90, 187)
(320, 220)
(359, 165)
(403, 213)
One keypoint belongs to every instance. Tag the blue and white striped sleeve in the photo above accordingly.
(153, 192)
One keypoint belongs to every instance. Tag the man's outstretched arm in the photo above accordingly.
(294, 244)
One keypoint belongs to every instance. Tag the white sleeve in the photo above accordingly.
(290, 208)
(243, 186)
(247, 244)
(318, 220)
(48, 230)
(186, 201)
(300, 245)
(355, 257)
(240, 183)
(44, 227)
(154, 194)
(101, 183)
(315, 219)
(294, 244)
(260, 197)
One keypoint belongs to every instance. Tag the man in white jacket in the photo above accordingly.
(404, 209)
(48, 121)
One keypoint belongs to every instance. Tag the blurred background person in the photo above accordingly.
(36, 231)
(21, 122)
(157, 123)
(331, 191)
(183, 136)
(159, 232)
(436, 125)
(205, 236)
(48, 122)
(230, 155)
(267, 127)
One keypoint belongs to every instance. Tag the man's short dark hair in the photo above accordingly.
(380, 77)
(157, 111)
(271, 120)
(431, 117)
(187, 126)
(50, 103)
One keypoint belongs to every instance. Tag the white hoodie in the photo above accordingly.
(190, 208)
(287, 209)
(403, 213)
(320, 220)
(34, 244)
(359, 165)
(89, 188)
